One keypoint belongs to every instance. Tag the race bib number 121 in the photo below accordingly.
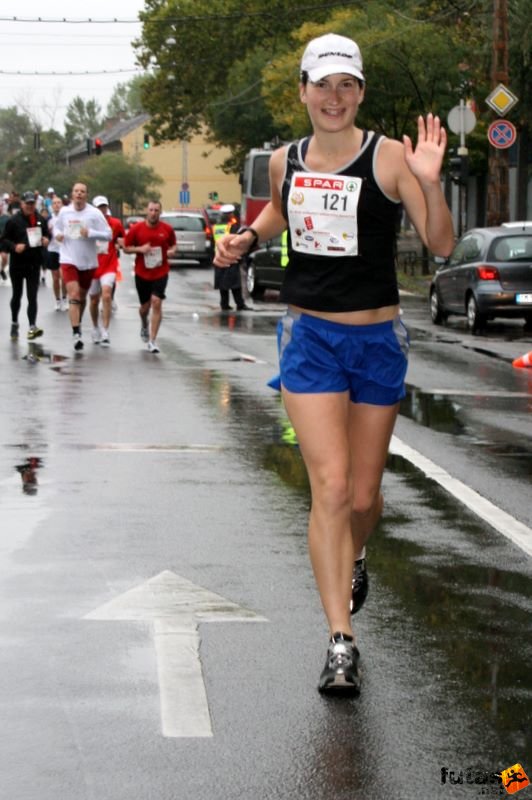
(322, 214)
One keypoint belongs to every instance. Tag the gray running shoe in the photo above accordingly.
(145, 334)
(340, 674)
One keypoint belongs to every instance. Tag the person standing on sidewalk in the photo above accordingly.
(25, 235)
(77, 228)
(229, 279)
(342, 345)
(152, 241)
(104, 279)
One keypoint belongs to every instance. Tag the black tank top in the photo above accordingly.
(346, 283)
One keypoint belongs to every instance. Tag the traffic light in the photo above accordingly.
(458, 168)
(146, 141)
(213, 196)
(98, 144)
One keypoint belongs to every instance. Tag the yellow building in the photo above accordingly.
(194, 164)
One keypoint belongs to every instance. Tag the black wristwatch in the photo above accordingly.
(245, 229)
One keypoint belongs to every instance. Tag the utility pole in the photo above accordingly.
(498, 207)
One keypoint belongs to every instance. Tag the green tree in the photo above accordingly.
(31, 168)
(122, 180)
(192, 49)
(82, 119)
(126, 100)
(16, 133)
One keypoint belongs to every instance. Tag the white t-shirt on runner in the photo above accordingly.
(76, 249)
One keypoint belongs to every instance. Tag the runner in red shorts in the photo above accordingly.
(77, 228)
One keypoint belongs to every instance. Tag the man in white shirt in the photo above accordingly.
(77, 228)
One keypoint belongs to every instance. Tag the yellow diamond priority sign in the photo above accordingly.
(501, 99)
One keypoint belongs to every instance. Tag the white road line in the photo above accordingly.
(516, 531)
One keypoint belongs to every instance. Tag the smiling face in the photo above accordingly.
(332, 103)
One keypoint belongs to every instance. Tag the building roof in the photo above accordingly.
(112, 134)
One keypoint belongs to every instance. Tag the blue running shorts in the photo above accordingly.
(316, 355)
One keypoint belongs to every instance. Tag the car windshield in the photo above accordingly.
(182, 223)
(511, 248)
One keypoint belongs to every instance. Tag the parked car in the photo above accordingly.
(193, 234)
(488, 275)
(264, 269)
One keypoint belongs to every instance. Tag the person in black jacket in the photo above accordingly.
(25, 234)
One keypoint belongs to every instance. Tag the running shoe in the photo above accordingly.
(96, 336)
(105, 342)
(78, 342)
(359, 585)
(58, 305)
(340, 673)
(152, 347)
(145, 334)
(14, 331)
(34, 332)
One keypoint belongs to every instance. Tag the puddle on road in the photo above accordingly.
(434, 411)
(37, 353)
(445, 414)
(28, 473)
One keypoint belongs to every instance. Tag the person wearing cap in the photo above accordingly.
(25, 235)
(78, 227)
(229, 279)
(104, 278)
(342, 344)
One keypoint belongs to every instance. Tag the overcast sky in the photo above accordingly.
(62, 47)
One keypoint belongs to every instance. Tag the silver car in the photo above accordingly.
(488, 275)
(194, 237)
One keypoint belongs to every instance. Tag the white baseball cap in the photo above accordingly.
(227, 208)
(50, 190)
(331, 55)
(100, 200)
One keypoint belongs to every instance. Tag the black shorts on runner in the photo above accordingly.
(52, 260)
(145, 289)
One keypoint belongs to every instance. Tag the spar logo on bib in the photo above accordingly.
(315, 182)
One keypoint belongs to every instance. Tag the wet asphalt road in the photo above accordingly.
(116, 466)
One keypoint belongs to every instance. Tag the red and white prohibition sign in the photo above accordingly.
(502, 134)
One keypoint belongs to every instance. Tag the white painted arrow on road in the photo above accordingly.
(175, 607)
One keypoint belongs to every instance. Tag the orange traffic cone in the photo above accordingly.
(523, 361)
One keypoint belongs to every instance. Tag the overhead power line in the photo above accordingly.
(185, 17)
(71, 72)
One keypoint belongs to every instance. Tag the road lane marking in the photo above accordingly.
(516, 531)
(175, 606)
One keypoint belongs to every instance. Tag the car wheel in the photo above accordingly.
(475, 320)
(255, 291)
(437, 314)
